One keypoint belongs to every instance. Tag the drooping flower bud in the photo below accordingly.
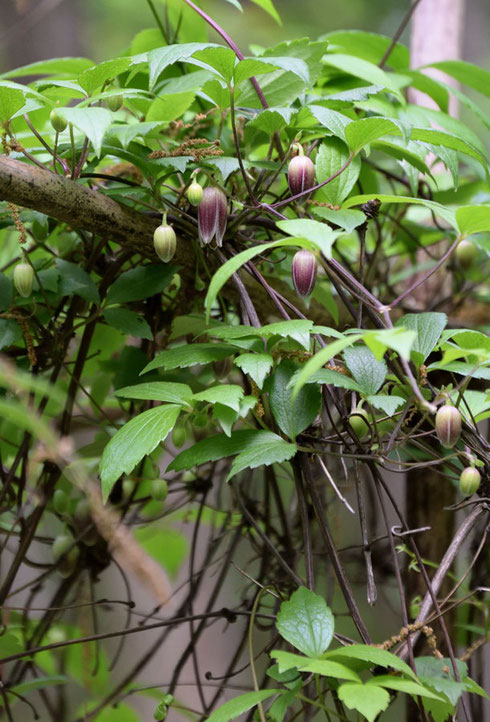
(448, 425)
(212, 216)
(358, 425)
(304, 272)
(114, 102)
(194, 193)
(466, 253)
(57, 121)
(159, 489)
(165, 242)
(23, 279)
(301, 173)
(469, 481)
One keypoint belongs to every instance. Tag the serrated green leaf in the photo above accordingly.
(128, 322)
(467, 73)
(306, 622)
(226, 394)
(75, 280)
(292, 417)
(161, 58)
(269, 8)
(10, 332)
(139, 283)
(241, 704)
(133, 441)
(95, 77)
(398, 339)
(266, 450)
(184, 356)
(388, 404)
(333, 120)
(437, 137)
(320, 359)
(473, 219)
(11, 100)
(403, 685)
(428, 327)
(333, 154)
(67, 67)
(446, 213)
(220, 59)
(256, 365)
(334, 378)
(369, 373)
(168, 391)
(318, 233)
(362, 132)
(169, 107)
(348, 220)
(368, 700)
(92, 122)
(373, 656)
(327, 668)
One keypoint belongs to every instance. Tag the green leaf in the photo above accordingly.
(128, 132)
(161, 58)
(467, 73)
(248, 67)
(333, 154)
(266, 450)
(327, 668)
(75, 280)
(348, 220)
(362, 132)
(320, 359)
(369, 373)
(428, 327)
(168, 107)
(473, 219)
(6, 292)
(334, 378)
(368, 700)
(226, 394)
(10, 332)
(133, 441)
(446, 213)
(437, 137)
(403, 685)
(269, 8)
(139, 283)
(168, 391)
(9, 644)
(292, 417)
(256, 365)
(11, 100)
(213, 448)
(225, 416)
(185, 355)
(388, 404)
(306, 622)
(464, 369)
(167, 546)
(333, 120)
(361, 69)
(369, 46)
(220, 59)
(65, 67)
(128, 322)
(236, 4)
(318, 233)
(121, 713)
(40, 683)
(92, 122)
(398, 339)
(372, 655)
(241, 704)
(297, 329)
(95, 77)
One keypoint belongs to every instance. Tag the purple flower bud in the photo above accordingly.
(448, 425)
(212, 215)
(304, 272)
(469, 481)
(301, 174)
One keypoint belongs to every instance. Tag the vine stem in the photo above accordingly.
(251, 647)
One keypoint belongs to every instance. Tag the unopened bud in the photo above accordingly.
(23, 279)
(357, 423)
(448, 425)
(57, 121)
(301, 174)
(194, 193)
(212, 215)
(466, 253)
(159, 489)
(304, 272)
(469, 481)
(66, 554)
(114, 102)
(179, 436)
(60, 501)
(165, 242)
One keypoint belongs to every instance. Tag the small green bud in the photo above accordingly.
(165, 242)
(415, 606)
(160, 712)
(114, 102)
(194, 193)
(128, 486)
(159, 489)
(179, 436)
(66, 554)
(469, 481)
(23, 279)
(358, 425)
(60, 501)
(57, 121)
(448, 425)
(466, 253)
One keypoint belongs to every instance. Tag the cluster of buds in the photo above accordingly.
(165, 241)
(304, 272)
(212, 216)
(301, 172)
(448, 425)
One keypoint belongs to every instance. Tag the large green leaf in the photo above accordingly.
(169, 391)
(473, 219)
(189, 355)
(133, 441)
(333, 154)
(292, 417)
(428, 327)
(318, 233)
(362, 132)
(256, 365)
(403, 685)
(437, 137)
(92, 122)
(161, 58)
(320, 359)
(367, 371)
(226, 394)
(95, 77)
(306, 622)
(325, 667)
(213, 448)
(267, 449)
(368, 700)
(467, 73)
(373, 656)
(241, 704)
(139, 283)
(128, 322)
